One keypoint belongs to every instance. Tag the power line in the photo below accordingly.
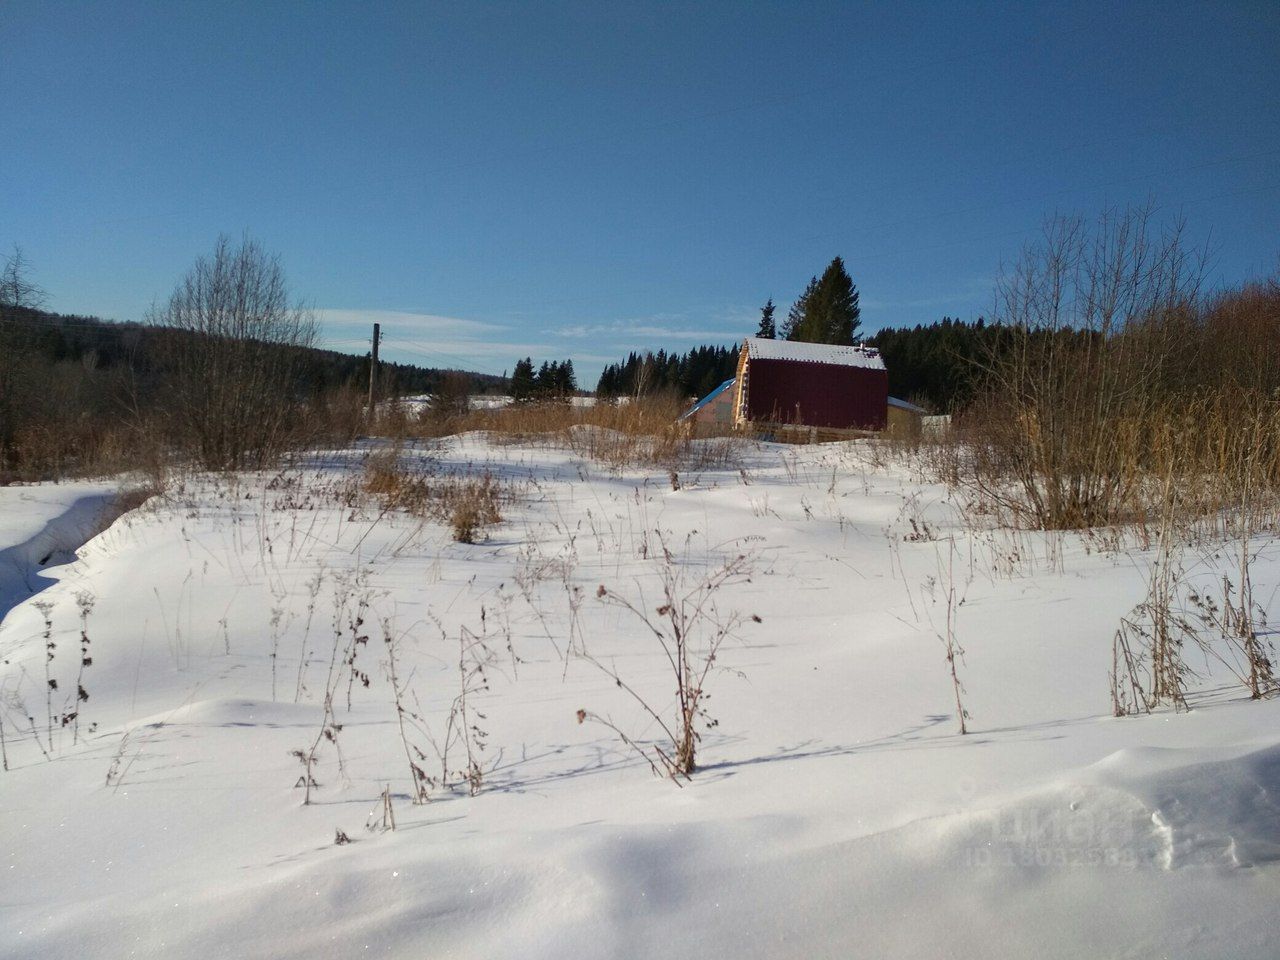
(967, 239)
(398, 344)
(55, 323)
(433, 352)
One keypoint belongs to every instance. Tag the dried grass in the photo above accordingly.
(468, 504)
(644, 432)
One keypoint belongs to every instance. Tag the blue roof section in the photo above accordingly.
(903, 405)
(708, 398)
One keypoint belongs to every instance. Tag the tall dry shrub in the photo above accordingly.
(1239, 333)
(1097, 312)
(18, 388)
(229, 335)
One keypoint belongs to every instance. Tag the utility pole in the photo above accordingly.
(373, 369)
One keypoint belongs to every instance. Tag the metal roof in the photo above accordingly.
(830, 353)
(904, 405)
(708, 398)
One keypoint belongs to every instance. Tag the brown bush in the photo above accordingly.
(1120, 377)
(467, 504)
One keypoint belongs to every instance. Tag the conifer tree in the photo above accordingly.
(828, 310)
(799, 309)
(696, 372)
(841, 313)
(768, 330)
(522, 383)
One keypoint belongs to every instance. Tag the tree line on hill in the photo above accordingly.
(109, 345)
(827, 311)
(227, 372)
(939, 365)
(78, 392)
(695, 373)
(936, 365)
(554, 380)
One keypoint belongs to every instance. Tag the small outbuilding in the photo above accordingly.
(905, 418)
(713, 411)
(817, 385)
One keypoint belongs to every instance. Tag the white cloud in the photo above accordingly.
(428, 339)
(623, 329)
(719, 327)
(434, 340)
(404, 323)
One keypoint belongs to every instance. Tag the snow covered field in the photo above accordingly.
(417, 404)
(836, 811)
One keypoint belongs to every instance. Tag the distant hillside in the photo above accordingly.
(939, 365)
(126, 348)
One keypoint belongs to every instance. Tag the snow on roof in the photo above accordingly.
(844, 356)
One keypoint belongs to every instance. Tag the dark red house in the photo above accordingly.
(811, 384)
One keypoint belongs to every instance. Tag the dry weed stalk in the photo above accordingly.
(1238, 620)
(462, 727)
(4, 744)
(948, 637)
(84, 603)
(1153, 634)
(277, 613)
(1148, 666)
(383, 817)
(357, 638)
(690, 630)
(313, 592)
(347, 623)
(407, 718)
(50, 650)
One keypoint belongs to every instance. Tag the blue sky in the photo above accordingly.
(583, 179)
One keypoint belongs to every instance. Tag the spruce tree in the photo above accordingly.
(828, 310)
(696, 372)
(841, 314)
(522, 383)
(796, 315)
(544, 381)
(767, 331)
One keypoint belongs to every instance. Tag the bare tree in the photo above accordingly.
(232, 340)
(17, 294)
(16, 287)
(1098, 315)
